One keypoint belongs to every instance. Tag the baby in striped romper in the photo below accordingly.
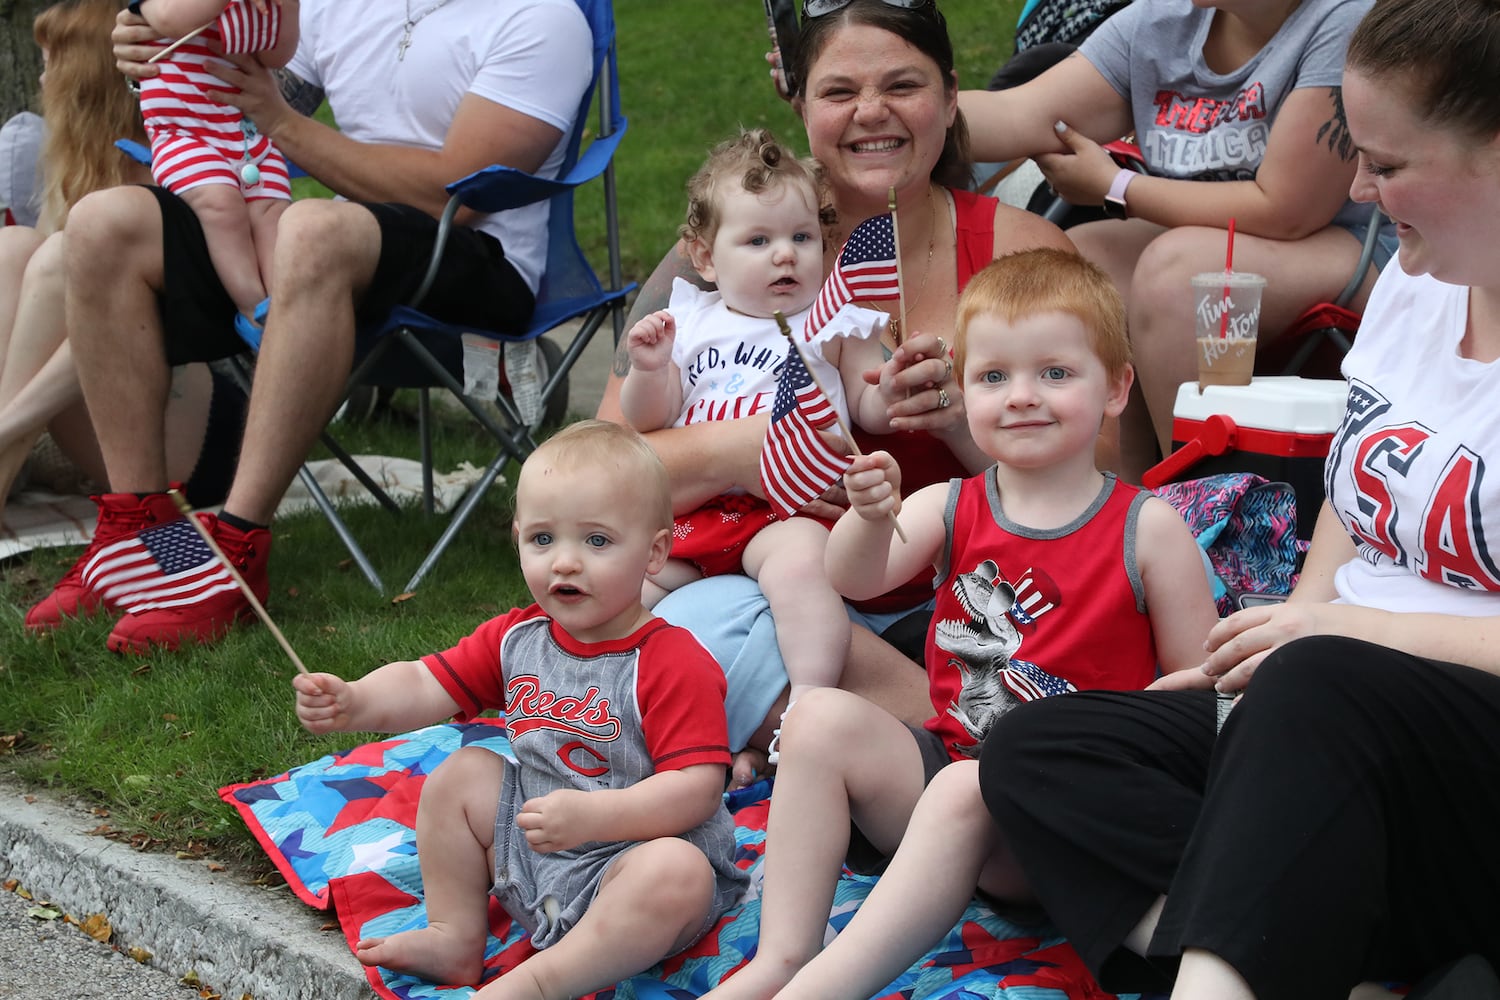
(207, 151)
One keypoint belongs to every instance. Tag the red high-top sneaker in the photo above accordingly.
(188, 595)
(121, 517)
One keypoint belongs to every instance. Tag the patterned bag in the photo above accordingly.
(1247, 529)
(1068, 21)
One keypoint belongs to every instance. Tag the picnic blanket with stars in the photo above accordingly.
(341, 830)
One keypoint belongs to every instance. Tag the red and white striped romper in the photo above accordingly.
(197, 141)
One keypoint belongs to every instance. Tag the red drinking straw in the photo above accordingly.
(1228, 268)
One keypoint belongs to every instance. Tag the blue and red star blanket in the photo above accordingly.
(341, 830)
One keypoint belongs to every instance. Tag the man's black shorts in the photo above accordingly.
(476, 285)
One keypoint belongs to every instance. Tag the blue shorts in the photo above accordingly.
(731, 617)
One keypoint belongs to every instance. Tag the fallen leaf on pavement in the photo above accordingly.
(140, 954)
(43, 913)
(97, 927)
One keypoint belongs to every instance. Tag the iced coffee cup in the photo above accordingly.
(1226, 319)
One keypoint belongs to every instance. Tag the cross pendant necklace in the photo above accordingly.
(410, 25)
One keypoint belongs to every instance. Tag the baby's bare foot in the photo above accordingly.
(437, 953)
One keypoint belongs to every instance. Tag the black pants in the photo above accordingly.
(1341, 828)
(475, 285)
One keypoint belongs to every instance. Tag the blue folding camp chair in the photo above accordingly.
(570, 291)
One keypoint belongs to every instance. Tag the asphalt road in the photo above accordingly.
(53, 960)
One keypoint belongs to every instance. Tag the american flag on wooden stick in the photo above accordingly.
(796, 465)
(164, 566)
(865, 271)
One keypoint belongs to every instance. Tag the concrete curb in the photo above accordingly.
(238, 938)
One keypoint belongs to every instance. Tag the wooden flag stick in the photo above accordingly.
(900, 285)
(260, 609)
(786, 331)
(168, 50)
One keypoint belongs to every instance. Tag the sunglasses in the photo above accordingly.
(817, 8)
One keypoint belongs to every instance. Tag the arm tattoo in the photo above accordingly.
(1336, 128)
(301, 95)
(622, 359)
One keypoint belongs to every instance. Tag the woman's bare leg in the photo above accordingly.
(34, 387)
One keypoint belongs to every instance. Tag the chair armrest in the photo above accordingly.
(497, 188)
(134, 150)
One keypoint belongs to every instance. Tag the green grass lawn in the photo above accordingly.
(152, 738)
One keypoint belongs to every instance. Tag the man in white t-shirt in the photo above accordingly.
(424, 93)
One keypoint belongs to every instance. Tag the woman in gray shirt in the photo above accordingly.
(1236, 109)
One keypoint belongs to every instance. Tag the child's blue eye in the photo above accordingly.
(758, 241)
(542, 538)
(597, 540)
(802, 238)
(993, 377)
(1054, 373)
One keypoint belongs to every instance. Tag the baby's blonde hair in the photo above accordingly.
(613, 449)
(1043, 280)
(756, 162)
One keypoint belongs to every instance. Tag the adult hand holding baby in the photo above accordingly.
(133, 39)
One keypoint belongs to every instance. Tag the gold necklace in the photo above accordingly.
(896, 332)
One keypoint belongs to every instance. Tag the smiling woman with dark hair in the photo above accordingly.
(878, 96)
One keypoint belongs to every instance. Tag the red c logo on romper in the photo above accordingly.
(566, 751)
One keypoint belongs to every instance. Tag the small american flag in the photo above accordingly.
(1030, 682)
(167, 565)
(865, 271)
(245, 29)
(796, 466)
